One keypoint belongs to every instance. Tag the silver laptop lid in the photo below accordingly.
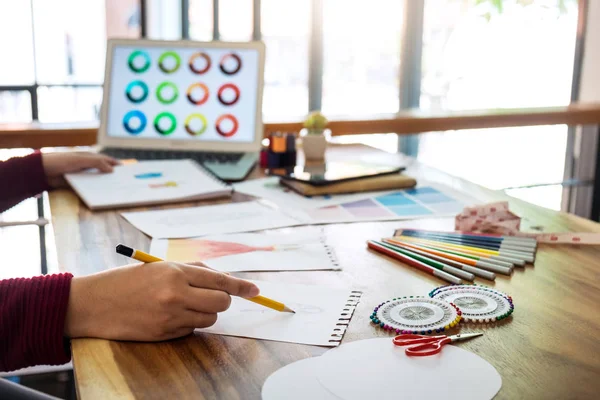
(183, 95)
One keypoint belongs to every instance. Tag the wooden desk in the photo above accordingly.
(548, 349)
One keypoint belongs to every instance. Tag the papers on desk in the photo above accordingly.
(146, 183)
(270, 189)
(207, 220)
(303, 249)
(425, 201)
(377, 369)
(321, 318)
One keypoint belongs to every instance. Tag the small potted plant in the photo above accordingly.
(314, 142)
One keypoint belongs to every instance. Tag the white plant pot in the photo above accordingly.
(314, 147)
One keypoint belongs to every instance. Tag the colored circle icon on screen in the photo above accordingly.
(199, 63)
(169, 62)
(134, 122)
(165, 123)
(228, 94)
(197, 93)
(230, 64)
(139, 61)
(227, 125)
(196, 124)
(136, 91)
(167, 92)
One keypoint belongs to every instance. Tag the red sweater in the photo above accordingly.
(32, 311)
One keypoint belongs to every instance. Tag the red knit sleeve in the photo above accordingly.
(20, 178)
(32, 321)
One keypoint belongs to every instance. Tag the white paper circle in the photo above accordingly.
(296, 381)
(378, 369)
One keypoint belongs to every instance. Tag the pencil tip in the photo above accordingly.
(287, 309)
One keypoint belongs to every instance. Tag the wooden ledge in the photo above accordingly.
(37, 135)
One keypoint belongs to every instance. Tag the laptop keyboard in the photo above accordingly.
(146, 154)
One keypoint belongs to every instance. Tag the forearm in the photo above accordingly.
(20, 178)
(32, 321)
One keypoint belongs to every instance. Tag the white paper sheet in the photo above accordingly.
(270, 189)
(201, 221)
(321, 317)
(302, 250)
(296, 381)
(376, 368)
(146, 182)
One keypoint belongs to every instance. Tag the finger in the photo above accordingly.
(207, 300)
(103, 166)
(113, 161)
(194, 319)
(197, 264)
(200, 264)
(209, 279)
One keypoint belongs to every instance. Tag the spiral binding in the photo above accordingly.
(345, 316)
(330, 253)
(214, 177)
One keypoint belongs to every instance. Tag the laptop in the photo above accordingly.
(184, 100)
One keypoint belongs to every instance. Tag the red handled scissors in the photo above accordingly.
(428, 345)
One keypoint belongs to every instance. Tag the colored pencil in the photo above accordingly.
(463, 252)
(431, 262)
(474, 261)
(475, 243)
(482, 273)
(148, 258)
(413, 262)
(513, 240)
(517, 259)
(499, 246)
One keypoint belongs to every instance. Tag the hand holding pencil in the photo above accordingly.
(264, 301)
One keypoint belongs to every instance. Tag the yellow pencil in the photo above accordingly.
(515, 258)
(148, 258)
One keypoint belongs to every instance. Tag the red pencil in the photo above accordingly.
(413, 263)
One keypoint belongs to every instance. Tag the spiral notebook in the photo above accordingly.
(321, 318)
(147, 183)
(305, 249)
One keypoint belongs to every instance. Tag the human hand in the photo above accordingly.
(58, 164)
(150, 302)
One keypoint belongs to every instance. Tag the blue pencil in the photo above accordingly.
(524, 241)
(470, 240)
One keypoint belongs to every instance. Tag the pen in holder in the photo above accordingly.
(281, 152)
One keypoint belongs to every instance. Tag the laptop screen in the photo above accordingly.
(183, 93)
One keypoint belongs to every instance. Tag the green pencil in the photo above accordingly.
(431, 262)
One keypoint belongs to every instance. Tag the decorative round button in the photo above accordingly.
(161, 126)
(167, 92)
(139, 61)
(192, 93)
(193, 119)
(225, 64)
(136, 91)
(194, 59)
(169, 62)
(134, 122)
(223, 118)
(228, 87)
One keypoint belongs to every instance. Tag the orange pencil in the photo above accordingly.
(471, 260)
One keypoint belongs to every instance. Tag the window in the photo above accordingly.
(235, 20)
(285, 28)
(508, 54)
(57, 56)
(361, 56)
(201, 20)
